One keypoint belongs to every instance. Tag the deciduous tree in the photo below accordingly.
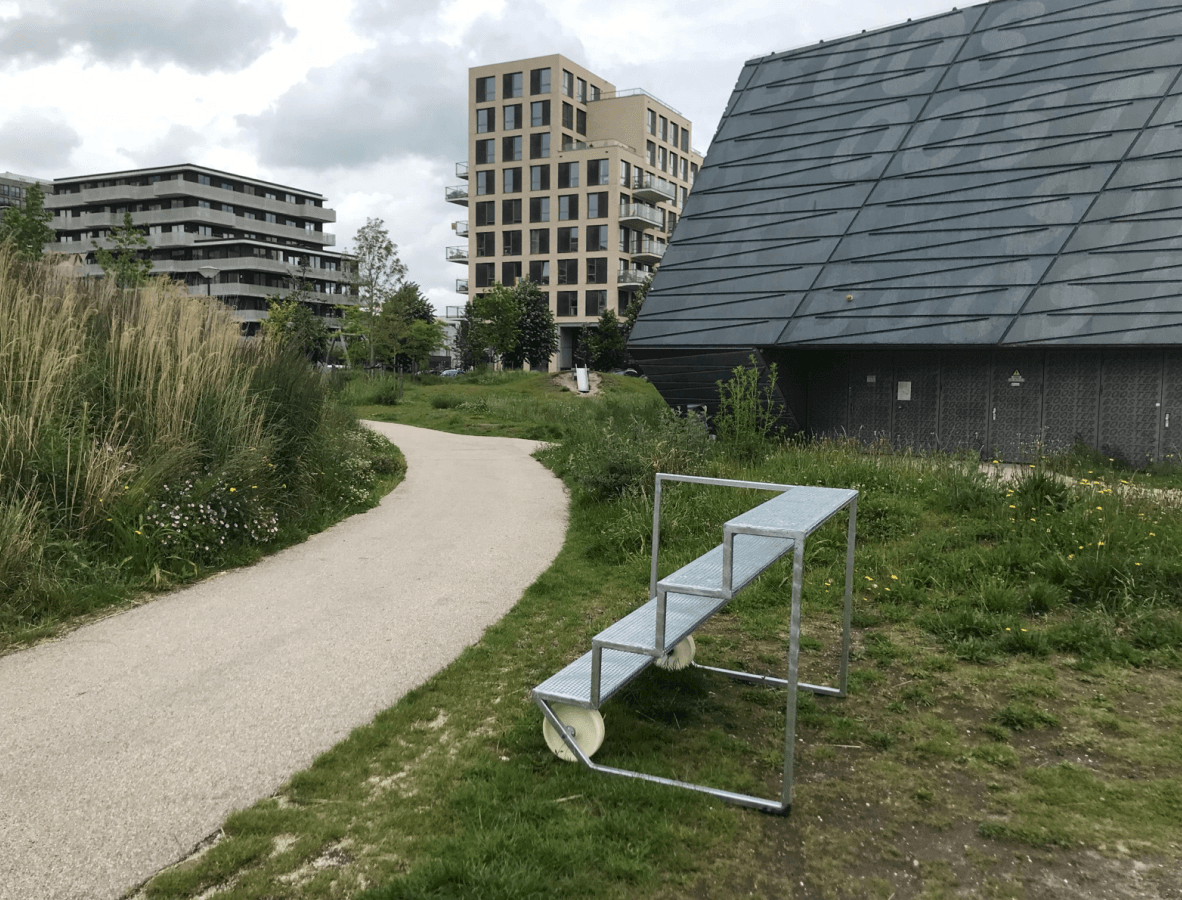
(124, 264)
(378, 272)
(495, 315)
(537, 336)
(27, 227)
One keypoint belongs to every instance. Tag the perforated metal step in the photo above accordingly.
(573, 684)
(637, 631)
(751, 555)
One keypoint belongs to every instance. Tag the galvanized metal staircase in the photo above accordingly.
(661, 631)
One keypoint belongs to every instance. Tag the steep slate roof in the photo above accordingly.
(1007, 174)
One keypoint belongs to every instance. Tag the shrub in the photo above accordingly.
(747, 417)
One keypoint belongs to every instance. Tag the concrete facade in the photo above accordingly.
(257, 234)
(570, 183)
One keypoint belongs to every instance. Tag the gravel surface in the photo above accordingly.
(125, 743)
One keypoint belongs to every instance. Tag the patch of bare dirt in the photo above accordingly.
(567, 380)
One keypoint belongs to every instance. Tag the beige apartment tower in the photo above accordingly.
(571, 183)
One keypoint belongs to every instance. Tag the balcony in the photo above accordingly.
(460, 228)
(461, 285)
(630, 279)
(648, 251)
(457, 194)
(653, 188)
(462, 170)
(637, 215)
(458, 255)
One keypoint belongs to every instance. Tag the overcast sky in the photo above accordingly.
(362, 101)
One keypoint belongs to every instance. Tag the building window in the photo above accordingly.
(663, 156)
(271, 218)
(568, 303)
(684, 194)
(674, 133)
(568, 240)
(539, 271)
(511, 183)
(663, 131)
(485, 181)
(685, 140)
(568, 271)
(596, 303)
(568, 83)
(486, 152)
(512, 116)
(581, 121)
(486, 213)
(597, 205)
(568, 116)
(684, 170)
(580, 90)
(204, 204)
(512, 83)
(539, 241)
(693, 172)
(486, 243)
(652, 122)
(539, 178)
(568, 175)
(486, 274)
(539, 114)
(651, 153)
(485, 120)
(539, 209)
(511, 148)
(226, 207)
(568, 142)
(595, 93)
(596, 238)
(673, 164)
(597, 270)
(510, 212)
(625, 173)
(597, 171)
(511, 243)
(539, 145)
(511, 272)
(486, 89)
(539, 81)
(568, 207)
(203, 179)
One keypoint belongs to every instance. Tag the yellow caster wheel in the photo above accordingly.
(584, 725)
(680, 656)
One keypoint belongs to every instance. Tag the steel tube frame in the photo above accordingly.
(784, 805)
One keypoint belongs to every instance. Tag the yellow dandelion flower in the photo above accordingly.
(894, 578)
(137, 531)
(232, 490)
(1136, 564)
(1099, 543)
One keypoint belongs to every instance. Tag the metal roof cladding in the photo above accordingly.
(1008, 174)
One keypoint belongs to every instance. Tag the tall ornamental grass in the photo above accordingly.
(142, 441)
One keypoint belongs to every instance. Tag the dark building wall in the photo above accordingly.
(1005, 403)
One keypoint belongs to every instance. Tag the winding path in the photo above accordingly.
(128, 741)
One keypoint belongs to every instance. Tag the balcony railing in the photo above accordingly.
(458, 254)
(460, 228)
(652, 187)
(462, 170)
(630, 279)
(637, 215)
(648, 251)
(461, 285)
(456, 194)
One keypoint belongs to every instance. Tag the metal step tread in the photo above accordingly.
(573, 684)
(750, 555)
(637, 631)
(800, 510)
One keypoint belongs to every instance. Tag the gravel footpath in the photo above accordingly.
(125, 743)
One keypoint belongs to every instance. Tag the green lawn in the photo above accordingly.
(1012, 728)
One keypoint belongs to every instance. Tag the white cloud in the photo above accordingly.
(32, 141)
(198, 35)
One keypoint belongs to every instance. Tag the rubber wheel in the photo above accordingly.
(587, 725)
(680, 656)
